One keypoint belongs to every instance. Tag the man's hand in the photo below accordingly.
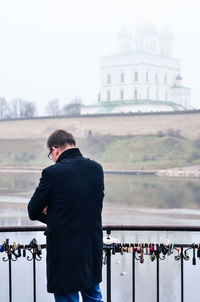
(45, 211)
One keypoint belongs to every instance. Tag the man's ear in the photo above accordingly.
(57, 151)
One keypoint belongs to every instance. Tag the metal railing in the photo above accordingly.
(156, 252)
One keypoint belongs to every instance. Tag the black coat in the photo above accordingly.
(73, 191)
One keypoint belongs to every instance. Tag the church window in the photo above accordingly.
(122, 94)
(166, 95)
(108, 95)
(135, 94)
(122, 77)
(135, 76)
(153, 45)
(108, 78)
(165, 78)
(147, 94)
(157, 94)
(185, 102)
(147, 76)
(156, 78)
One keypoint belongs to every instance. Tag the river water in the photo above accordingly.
(128, 199)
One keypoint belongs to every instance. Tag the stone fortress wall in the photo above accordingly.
(187, 122)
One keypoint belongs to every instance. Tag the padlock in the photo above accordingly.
(170, 250)
(167, 242)
(33, 243)
(158, 250)
(141, 253)
(24, 252)
(19, 251)
(117, 248)
(177, 255)
(124, 249)
(3, 248)
(194, 255)
(198, 251)
(129, 250)
(15, 246)
(146, 249)
(104, 258)
(153, 257)
(164, 249)
(134, 249)
(113, 251)
(6, 244)
(151, 248)
(39, 250)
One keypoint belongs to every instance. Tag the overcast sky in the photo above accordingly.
(51, 48)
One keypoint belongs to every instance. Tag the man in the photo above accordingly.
(69, 200)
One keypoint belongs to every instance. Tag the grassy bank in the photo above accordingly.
(130, 152)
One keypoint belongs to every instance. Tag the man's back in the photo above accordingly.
(74, 228)
(76, 192)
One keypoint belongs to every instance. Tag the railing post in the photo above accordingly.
(133, 275)
(108, 256)
(34, 276)
(182, 280)
(10, 276)
(108, 272)
(158, 279)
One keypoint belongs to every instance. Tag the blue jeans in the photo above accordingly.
(88, 295)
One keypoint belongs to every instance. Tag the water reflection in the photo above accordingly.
(152, 191)
(128, 200)
(136, 199)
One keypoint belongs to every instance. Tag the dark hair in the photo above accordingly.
(60, 138)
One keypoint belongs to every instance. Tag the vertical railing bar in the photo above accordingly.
(34, 277)
(158, 279)
(133, 275)
(108, 256)
(182, 280)
(108, 268)
(10, 276)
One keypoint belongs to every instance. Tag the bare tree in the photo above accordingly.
(73, 108)
(4, 109)
(27, 109)
(22, 109)
(14, 108)
(52, 108)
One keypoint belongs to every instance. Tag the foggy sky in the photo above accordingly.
(51, 48)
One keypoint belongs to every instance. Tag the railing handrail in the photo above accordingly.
(156, 251)
(109, 228)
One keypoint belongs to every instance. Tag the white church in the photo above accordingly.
(142, 77)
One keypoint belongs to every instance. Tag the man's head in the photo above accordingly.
(59, 141)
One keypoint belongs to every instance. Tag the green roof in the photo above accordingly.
(108, 106)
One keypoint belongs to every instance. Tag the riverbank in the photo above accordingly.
(18, 169)
(143, 153)
(192, 171)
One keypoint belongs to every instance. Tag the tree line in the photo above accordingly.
(19, 108)
(72, 108)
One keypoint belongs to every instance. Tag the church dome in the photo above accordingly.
(124, 38)
(124, 34)
(179, 78)
(148, 30)
(166, 34)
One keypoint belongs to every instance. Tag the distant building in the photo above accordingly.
(142, 77)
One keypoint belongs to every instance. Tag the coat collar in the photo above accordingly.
(70, 153)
